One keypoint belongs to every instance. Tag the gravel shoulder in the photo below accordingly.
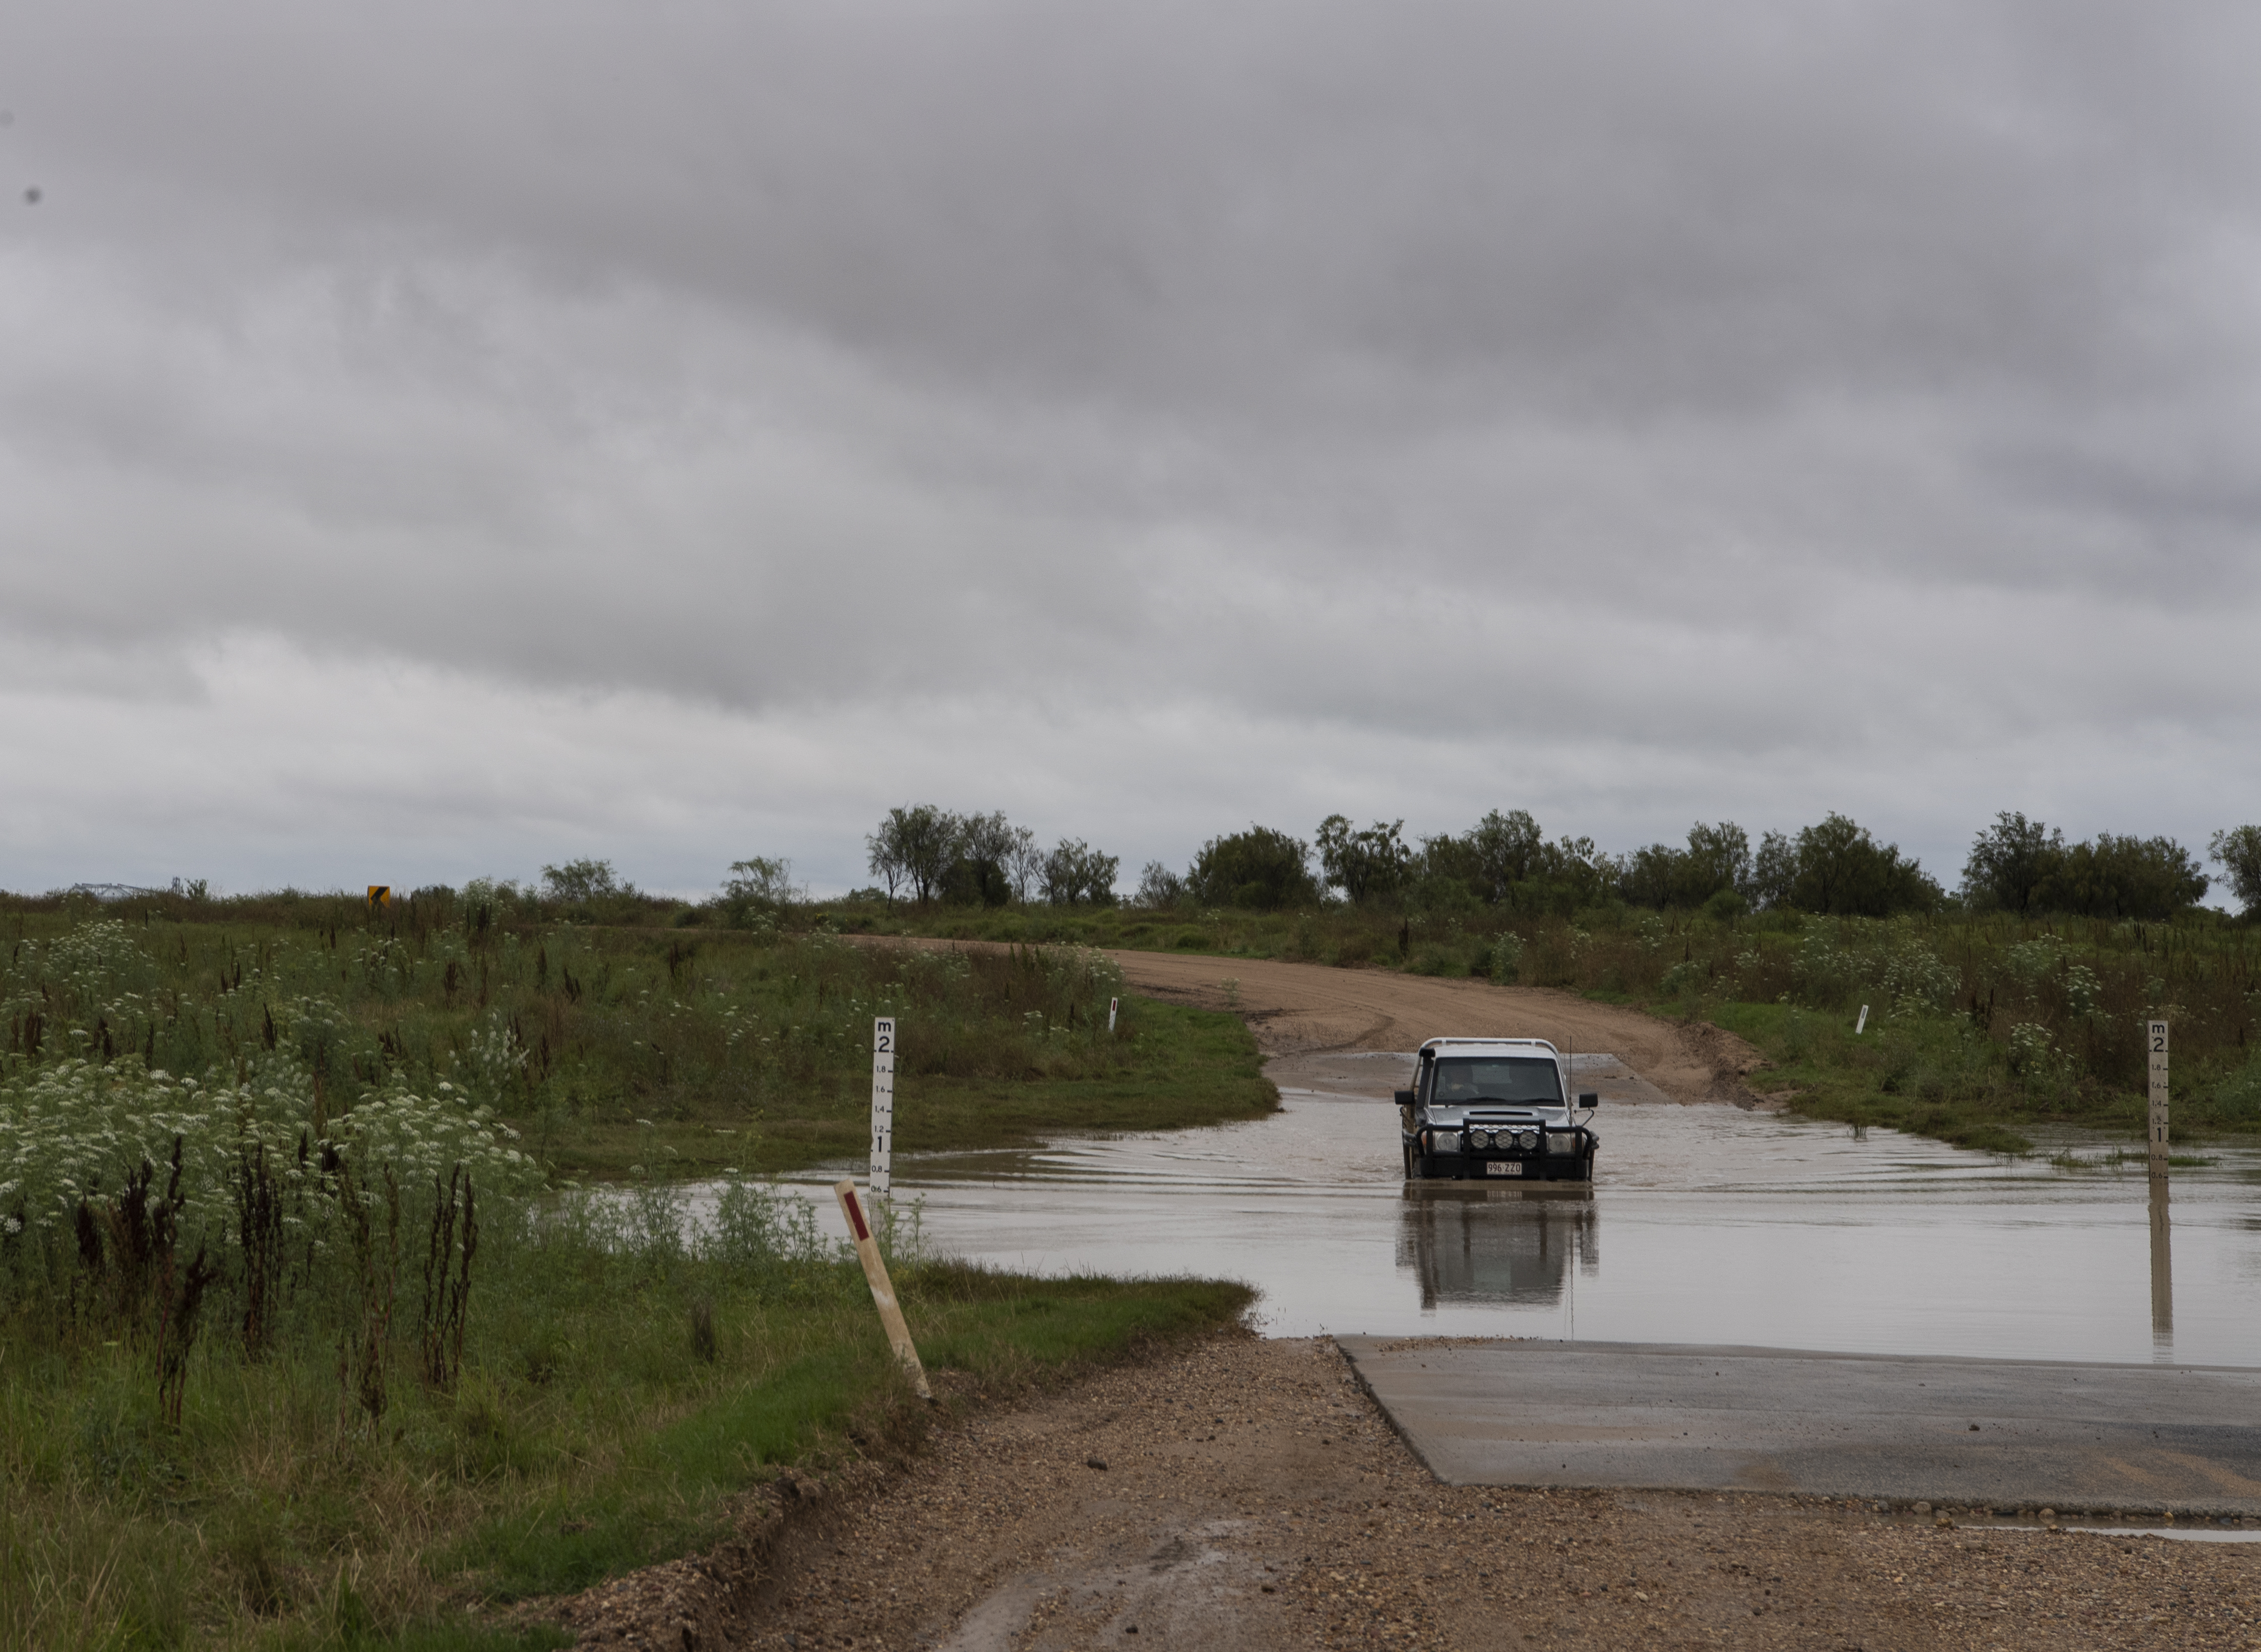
(1241, 1493)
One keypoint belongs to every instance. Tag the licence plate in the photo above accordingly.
(1503, 1166)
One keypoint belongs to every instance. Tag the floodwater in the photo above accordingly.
(1705, 1223)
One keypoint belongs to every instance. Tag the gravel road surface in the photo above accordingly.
(1243, 1493)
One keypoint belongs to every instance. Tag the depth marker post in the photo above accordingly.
(883, 1106)
(2162, 1266)
(2155, 1041)
(883, 1293)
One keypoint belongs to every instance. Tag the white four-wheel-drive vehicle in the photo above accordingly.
(1482, 1108)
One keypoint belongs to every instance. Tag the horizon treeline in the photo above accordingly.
(1836, 868)
(927, 855)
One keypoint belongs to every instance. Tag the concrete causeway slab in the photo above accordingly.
(2073, 1437)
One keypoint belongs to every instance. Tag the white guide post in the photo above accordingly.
(1110, 1013)
(1861, 1026)
(2155, 1042)
(883, 1105)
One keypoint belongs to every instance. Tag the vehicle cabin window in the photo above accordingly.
(1525, 1079)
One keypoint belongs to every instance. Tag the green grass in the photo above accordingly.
(585, 1437)
(1930, 1078)
(622, 1053)
(1188, 1067)
(622, 1378)
(669, 1495)
(1175, 1068)
(1981, 1029)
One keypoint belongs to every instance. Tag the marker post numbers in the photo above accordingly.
(2155, 1042)
(867, 1245)
(2162, 1266)
(883, 1106)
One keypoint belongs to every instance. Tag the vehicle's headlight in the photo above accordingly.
(1531, 1141)
(1480, 1139)
(1445, 1141)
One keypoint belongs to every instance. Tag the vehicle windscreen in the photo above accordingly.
(1530, 1080)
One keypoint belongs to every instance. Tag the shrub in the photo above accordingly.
(2032, 1054)
(1917, 982)
(1365, 866)
(1160, 889)
(2239, 852)
(1259, 869)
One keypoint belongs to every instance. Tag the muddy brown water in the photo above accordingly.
(1706, 1222)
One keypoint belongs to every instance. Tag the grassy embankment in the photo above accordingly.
(253, 1403)
(1979, 1028)
(613, 1399)
(618, 1051)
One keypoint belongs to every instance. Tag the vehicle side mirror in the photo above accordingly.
(1589, 1099)
(1404, 1098)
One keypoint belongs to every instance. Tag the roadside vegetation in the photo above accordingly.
(615, 1044)
(346, 1431)
(308, 1336)
(2013, 1000)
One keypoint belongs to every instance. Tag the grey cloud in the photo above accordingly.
(1631, 209)
(1662, 405)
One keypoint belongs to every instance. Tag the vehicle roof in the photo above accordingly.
(1482, 1046)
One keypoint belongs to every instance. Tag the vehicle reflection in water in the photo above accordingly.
(1471, 1246)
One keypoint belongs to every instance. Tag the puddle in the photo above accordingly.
(2199, 1530)
(1705, 1223)
(2180, 1533)
(2195, 1528)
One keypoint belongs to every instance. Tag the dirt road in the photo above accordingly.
(1301, 1008)
(1298, 1008)
(1245, 1494)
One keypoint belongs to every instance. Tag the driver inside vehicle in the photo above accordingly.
(1461, 1082)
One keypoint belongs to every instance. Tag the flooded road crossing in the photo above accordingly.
(1705, 1225)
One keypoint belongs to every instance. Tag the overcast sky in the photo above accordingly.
(440, 439)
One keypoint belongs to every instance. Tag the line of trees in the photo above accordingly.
(2022, 866)
(922, 853)
(1837, 867)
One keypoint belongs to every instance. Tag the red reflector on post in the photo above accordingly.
(855, 1214)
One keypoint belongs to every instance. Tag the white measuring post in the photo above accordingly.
(1862, 1024)
(1110, 1013)
(883, 1106)
(2155, 1042)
